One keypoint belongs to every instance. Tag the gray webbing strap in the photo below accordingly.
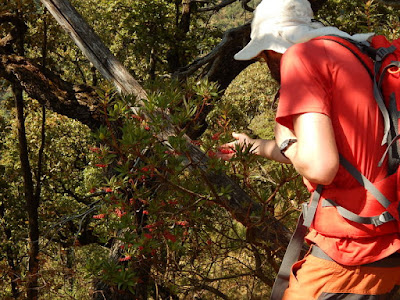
(382, 107)
(309, 211)
(393, 114)
(291, 256)
(345, 213)
(387, 149)
(380, 56)
(293, 251)
(363, 181)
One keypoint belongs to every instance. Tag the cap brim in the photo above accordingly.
(266, 42)
(250, 51)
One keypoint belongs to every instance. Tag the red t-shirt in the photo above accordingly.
(323, 77)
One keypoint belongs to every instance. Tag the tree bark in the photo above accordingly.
(74, 101)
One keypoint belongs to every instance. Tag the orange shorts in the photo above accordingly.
(317, 278)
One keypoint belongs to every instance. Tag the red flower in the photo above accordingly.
(120, 213)
(101, 165)
(92, 190)
(143, 201)
(145, 212)
(150, 227)
(211, 154)
(196, 143)
(126, 258)
(147, 127)
(94, 149)
(169, 236)
(182, 223)
(100, 216)
(216, 136)
(108, 190)
(148, 236)
(136, 117)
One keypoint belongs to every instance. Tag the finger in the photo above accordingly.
(236, 136)
(230, 145)
(224, 156)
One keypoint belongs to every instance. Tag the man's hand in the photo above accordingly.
(264, 148)
(227, 151)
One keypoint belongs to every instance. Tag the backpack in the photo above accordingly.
(381, 60)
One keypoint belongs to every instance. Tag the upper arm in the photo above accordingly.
(316, 156)
(305, 107)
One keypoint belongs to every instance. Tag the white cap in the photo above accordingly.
(279, 24)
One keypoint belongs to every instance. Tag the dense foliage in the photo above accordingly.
(127, 210)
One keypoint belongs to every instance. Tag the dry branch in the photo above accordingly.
(93, 48)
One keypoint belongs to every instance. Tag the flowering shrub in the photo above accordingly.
(159, 205)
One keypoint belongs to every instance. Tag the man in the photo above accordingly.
(327, 107)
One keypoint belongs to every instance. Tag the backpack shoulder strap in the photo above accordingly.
(295, 246)
(363, 52)
(371, 59)
(292, 255)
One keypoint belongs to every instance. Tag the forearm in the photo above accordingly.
(268, 149)
(300, 157)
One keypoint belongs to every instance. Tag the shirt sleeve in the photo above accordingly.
(305, 82)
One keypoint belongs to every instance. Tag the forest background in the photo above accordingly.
(111, 196)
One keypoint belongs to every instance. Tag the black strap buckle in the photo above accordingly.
(382, 218)
(381, 53)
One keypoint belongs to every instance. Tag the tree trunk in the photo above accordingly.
(32, 203)
(13, 272)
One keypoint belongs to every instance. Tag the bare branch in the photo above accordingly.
(220, 57)
(217, 7)
(246, 7)
(215, 291)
